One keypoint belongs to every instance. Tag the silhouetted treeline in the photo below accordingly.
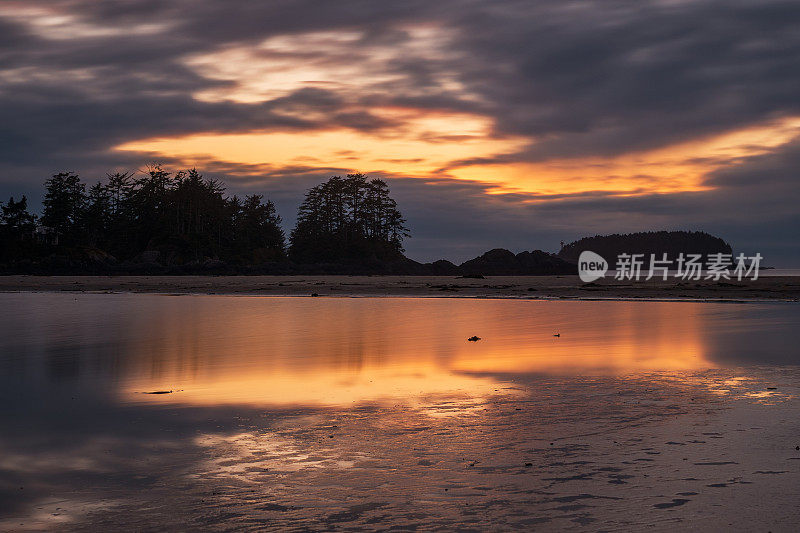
(161, 222)
(17, 227)
(173, 218)
(183, 216)
(672, 243)
(183, 219)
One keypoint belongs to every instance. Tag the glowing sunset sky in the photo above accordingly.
(499, 123)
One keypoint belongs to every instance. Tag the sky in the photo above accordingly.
(497, 123)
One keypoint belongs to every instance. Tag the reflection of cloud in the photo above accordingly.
(249, 351)
(618, 370)
(414, 381)
(238, 456)
(54, 513)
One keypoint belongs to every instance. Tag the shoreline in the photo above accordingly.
(765, 289)
(427, 296)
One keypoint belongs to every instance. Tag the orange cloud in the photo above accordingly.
(430, 144)
(419, 143)
(424, 142)
(676, 168)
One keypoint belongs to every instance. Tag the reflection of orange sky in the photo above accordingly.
(280, 350)
(409, 383)
(424, 142)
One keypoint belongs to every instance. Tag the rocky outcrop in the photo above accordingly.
(501, 262)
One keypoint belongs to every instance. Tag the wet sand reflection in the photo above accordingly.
(375, 413)
(280, 350)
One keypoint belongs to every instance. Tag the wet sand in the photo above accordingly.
(708, 451)
(680, 443)
(533, 287)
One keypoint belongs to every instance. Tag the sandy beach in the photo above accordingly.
(532, 287)
(707, 451)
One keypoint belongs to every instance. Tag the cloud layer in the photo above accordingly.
(501, 123)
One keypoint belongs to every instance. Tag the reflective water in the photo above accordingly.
(214, 350)
(256, 387)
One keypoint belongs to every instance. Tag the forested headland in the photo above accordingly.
(184, 222)
(646, 243)
(162, 222)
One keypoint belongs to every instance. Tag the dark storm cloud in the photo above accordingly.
(579, 78)
(68, 99)
(611, 77)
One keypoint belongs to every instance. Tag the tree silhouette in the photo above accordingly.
(345, 219)
(196, 210)
(17, 227)
(121, 187)
(257, 229)
(185, 219)
(149, 206)
(17, 223)
(183, 216)
(64, 201)
(97, 215)
(646, 243)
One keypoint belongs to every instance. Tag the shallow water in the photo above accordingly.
(214, 350)
(309, 412)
